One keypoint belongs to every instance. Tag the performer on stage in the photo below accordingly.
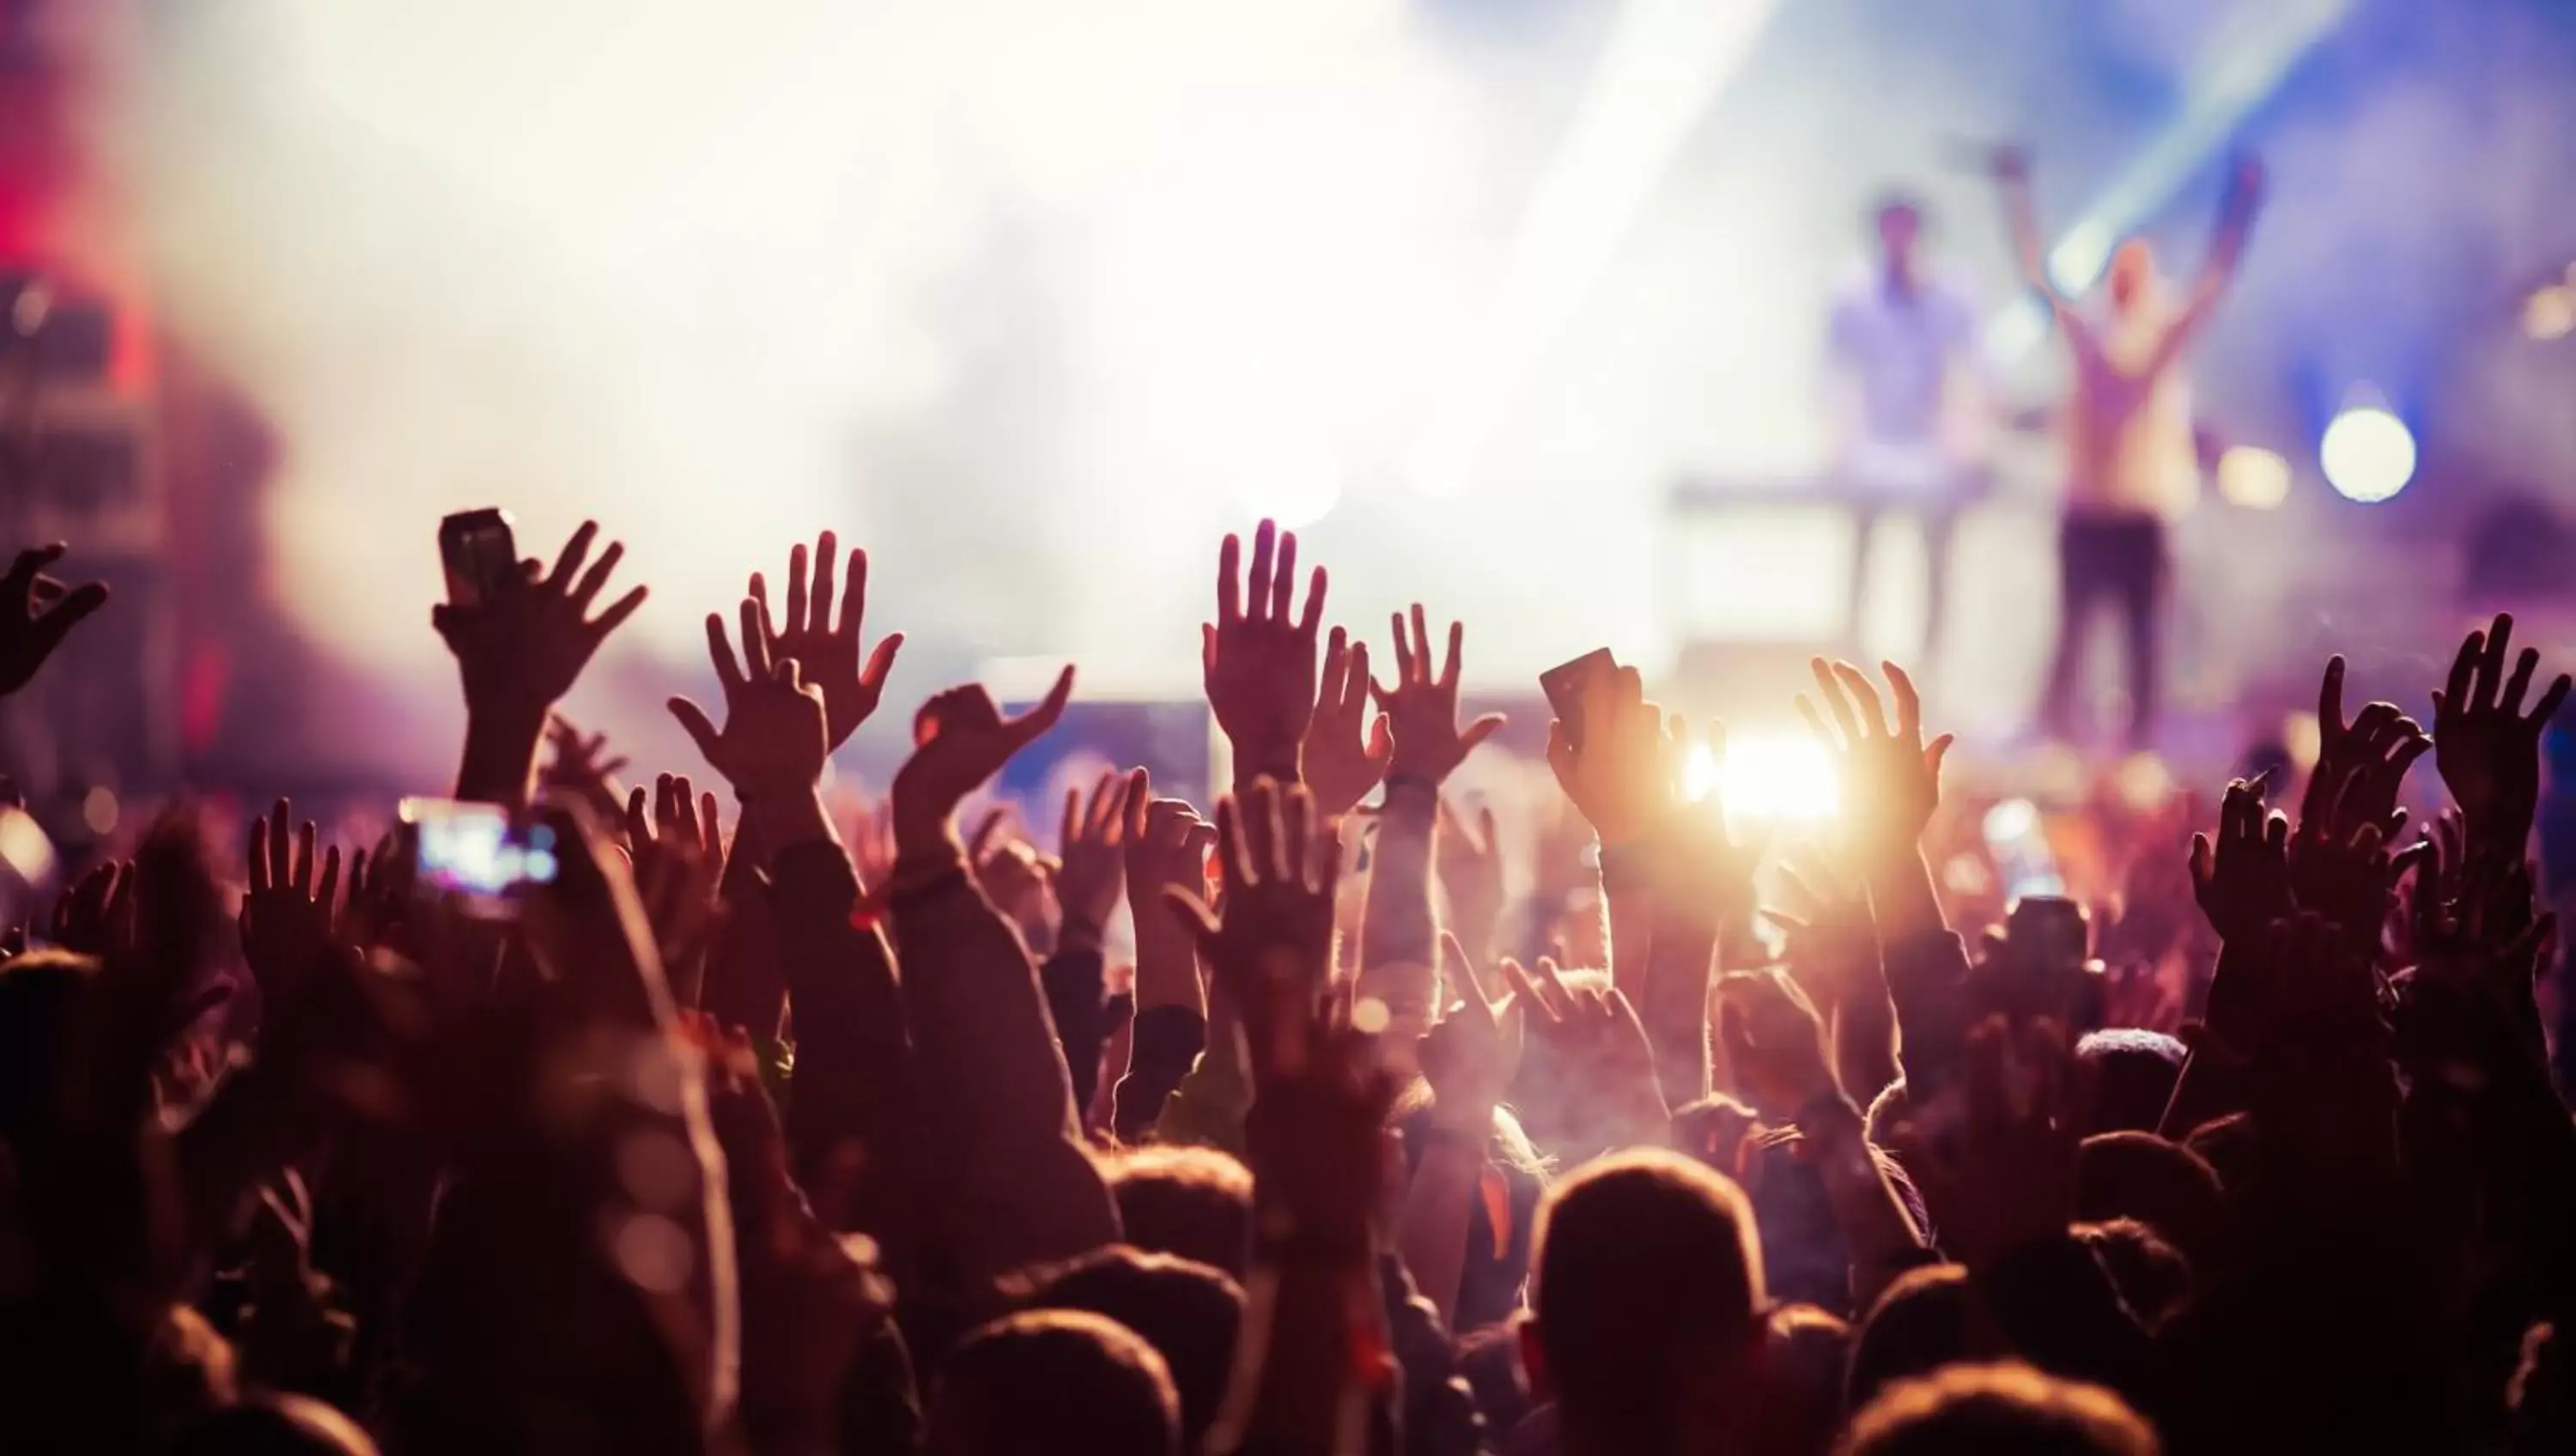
(1908, 405)
(2132, 466)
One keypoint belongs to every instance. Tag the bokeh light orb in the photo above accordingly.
(2368, 454)
(2253, 477)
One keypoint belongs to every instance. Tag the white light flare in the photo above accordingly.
(1767, 776)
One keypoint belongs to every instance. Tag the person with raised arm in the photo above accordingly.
(1258, 663)
(1399, 950)
(517, 654)
(854, 1127)
(2132, 464)
(1313, 1376)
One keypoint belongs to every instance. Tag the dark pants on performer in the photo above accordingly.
(1939, 523)
(2120, 559)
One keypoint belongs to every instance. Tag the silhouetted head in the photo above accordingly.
(2136, 1070)
(1647, 1302)
(2133, 283)
(1804, 1351)
(1919, 1324)
(1192, 1203)
(2152, 1276)
(1053, 1381)
(2163, 1185)
(1997, 1410)
(1190, 1313)
(1899, 217)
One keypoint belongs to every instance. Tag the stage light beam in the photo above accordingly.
(1664, 65)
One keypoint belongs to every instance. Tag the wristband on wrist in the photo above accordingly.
(1409, 781)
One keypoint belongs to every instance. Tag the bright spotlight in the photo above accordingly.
(2368, 454)
(2253, 477)
(1766, 775)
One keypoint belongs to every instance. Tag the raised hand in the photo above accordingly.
(1344, 754)
(2475, 936)
(287, 916)
(1593, 1059)
(521, 650)
(825, 651)
(1470, 1055)
(1891, 779)
(580, 766)
(1091, 853)
(1468, 863)
(2341, 865)
(1167, 848)
(379, 891)
(675, 819)
(962, 740)
(1013, 875)
(677, 845)
(2360, 765)
(1273, 946)
(1619, 780)
(1423, 707)
(1832, 945)
(1774, 1040)
(774, 739)
(2486, 747)
(2008, 1176)
(94, 915)
(2242, 877)
(1258, 659)
(37, 613)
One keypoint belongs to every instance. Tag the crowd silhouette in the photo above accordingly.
(754, 1128)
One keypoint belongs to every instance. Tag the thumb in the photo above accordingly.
(881, 661)
(1193, 915)
(700, 729)
(1478, 731)
(1039, 719)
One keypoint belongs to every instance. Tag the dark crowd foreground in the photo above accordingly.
(754, 1132)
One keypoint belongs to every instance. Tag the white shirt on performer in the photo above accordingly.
(1906, 364)
(2129, 441)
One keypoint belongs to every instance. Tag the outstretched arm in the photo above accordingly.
(996, 1097)
(2011, 167)
(2226, 250)
(518, 654)
(1397, 928)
